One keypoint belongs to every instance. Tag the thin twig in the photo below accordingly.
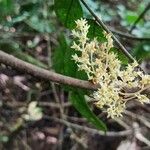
(91, 130)
(78, 140)
(143, 139)
(56, 96)
(54, 105)
(136, 92)
(140, 17)
(139, 135)
(122, 123)
(129, 36)
(142, 119)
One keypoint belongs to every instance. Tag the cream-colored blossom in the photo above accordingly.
(145, 79)
(116, 110)
(103, 67)
(82, 24)
(76, 47)
(142, 98)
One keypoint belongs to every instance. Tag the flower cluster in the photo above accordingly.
(104, 68)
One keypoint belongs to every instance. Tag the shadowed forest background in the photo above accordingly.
(37, 114)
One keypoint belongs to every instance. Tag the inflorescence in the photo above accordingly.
(104, 68)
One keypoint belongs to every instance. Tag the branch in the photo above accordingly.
(140, 17)
(43, 73)
(129, 36)
(141, 118)
(91, 130)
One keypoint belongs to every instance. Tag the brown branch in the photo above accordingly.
(43, 73)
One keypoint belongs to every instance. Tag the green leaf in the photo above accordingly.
(62, 62)
(30, 6)
(78, 101)
(68, 11)
(131, 17)
(59, 54)
(62, 58)
(6, 7)
(95, 31)
(122, 57)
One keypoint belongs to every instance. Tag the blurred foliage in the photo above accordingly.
(22, 21)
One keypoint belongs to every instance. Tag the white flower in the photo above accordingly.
(103, 67)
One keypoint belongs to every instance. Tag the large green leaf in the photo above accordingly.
(68, 11)
(62, 58)
(78, 101)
